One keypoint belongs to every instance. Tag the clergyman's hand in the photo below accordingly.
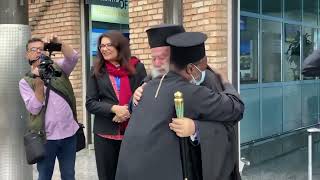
(138, 94)
(183, 127)
(221, 76)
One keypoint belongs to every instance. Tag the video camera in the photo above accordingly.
(50, 47)
(46, 69)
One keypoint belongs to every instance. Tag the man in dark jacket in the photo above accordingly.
(217, 137)
(149, 149)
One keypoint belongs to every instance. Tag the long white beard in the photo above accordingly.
(155, 72)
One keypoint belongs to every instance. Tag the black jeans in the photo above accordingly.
(107, 152)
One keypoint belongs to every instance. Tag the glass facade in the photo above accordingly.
(291, 52)
(106, 16)
(249, 49)
(250, 5)
(271, 7)
(293, 10)
(280, 103)
(275, 37)
(270, 51)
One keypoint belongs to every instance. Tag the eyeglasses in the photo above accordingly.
(108, 45)
(35, 49)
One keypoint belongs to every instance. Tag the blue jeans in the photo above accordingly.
(65, 151)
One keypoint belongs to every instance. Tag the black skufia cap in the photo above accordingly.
(311, 65)
(158, 34)
(187, 47)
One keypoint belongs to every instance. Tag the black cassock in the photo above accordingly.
(150, 150)
(218, 143)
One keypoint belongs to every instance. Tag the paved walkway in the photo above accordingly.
(292, 166)
(85, 167)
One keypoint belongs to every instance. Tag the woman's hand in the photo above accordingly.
(122, 113)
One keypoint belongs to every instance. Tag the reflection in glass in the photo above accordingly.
(310, 103)
(271, 51)
(310, 11)
(249, 6)
(248, 50)
(309, 43)
(272, 7)
(291, 54)
(317, 44)
(293, 10)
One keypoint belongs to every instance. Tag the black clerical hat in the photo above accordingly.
(187, 47)
(311, 65)
(158, 34)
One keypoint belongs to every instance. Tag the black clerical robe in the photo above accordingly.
(218, 142)
(150, 150)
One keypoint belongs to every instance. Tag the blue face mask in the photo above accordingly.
(203, 75)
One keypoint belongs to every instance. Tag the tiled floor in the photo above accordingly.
(292, 166)
(287, 159)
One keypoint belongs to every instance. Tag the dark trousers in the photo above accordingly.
(195, 163)
(107, 152)
(65, 151)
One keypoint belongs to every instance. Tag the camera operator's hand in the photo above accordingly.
(66, 49)
(53, 39)
(35, 69)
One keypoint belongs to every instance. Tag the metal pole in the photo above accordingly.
(14, 34)
(14, 12)
(310, 131)
(310, 156)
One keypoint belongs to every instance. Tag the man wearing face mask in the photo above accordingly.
(217, 137)
(150, 150)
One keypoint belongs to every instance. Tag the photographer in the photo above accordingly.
(60, 116)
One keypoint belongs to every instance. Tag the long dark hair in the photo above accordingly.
(121, 43)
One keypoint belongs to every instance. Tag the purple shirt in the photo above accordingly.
(59, 123)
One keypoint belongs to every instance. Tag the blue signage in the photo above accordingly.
(94, 39)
